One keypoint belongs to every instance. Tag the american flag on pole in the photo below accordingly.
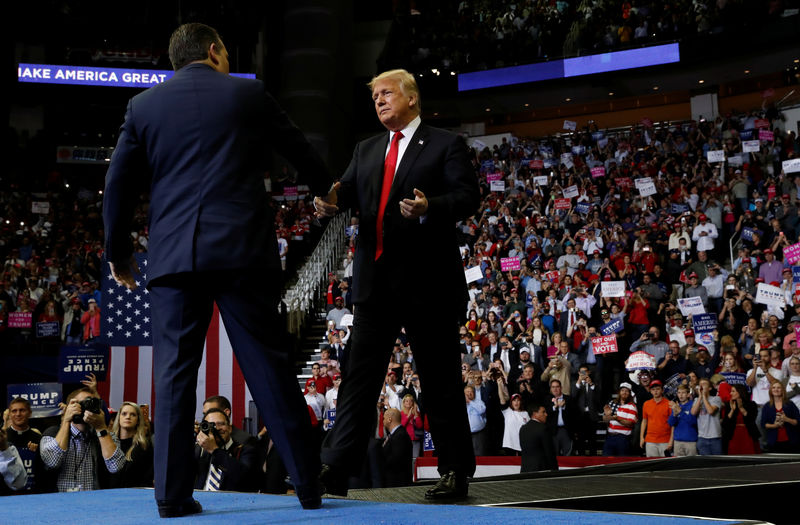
(126, 329)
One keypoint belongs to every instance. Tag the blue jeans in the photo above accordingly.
(616, 445)
(709, 446)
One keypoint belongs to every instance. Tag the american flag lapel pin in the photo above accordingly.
(421, 142)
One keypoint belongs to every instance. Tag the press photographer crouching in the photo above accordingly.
(222, 463)
(81, 450)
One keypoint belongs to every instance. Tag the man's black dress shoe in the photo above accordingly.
(450, 486)
(191, 506)
(333, 480)
(310, 497)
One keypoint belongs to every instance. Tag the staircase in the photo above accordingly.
(309, 348)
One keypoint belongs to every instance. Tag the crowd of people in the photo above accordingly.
(467, 36)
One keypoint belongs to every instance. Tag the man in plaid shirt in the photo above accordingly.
(81, 449)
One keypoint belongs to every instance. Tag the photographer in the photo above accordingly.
(222, 463)
(81, 449)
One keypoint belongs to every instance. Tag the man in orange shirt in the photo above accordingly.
(656, 433)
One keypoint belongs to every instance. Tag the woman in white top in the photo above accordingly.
(514, 417)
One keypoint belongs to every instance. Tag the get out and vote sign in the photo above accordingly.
(604, 344)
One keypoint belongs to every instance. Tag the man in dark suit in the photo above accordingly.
(397, 451)
(410, 186)
(197, 142)
(536, 442)
(222, 462)
(561, 419)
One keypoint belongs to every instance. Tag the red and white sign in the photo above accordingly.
(562, 204)
(537, 164)
(598, 171)
(604, 344)
(552, 276)
(764, 134)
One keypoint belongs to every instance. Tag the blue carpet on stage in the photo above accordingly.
(136, 506)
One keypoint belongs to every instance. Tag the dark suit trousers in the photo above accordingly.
(182, 308)
(434, 342)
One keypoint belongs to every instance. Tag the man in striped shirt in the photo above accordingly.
(621, 416)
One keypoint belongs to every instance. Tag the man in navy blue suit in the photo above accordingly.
(198, 143)
(410, 185)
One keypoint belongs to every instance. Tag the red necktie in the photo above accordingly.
(388, 175)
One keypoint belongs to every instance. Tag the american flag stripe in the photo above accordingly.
(130, 376)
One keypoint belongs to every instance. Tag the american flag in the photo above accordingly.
(126, 328)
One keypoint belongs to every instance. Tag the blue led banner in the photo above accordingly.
(97, 76)
(570, 67)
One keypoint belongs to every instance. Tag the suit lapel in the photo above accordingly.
(374, 173)
(418, 142)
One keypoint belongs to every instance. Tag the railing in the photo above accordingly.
(733, 244)
(327, 257)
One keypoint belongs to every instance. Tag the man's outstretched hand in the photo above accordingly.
(326, 207)
(414, 208)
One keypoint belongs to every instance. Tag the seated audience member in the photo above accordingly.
(11, 468)
(81, 450)
(621, 415)
(136, 443)
(222, 463)
(684, 424)
(740, 432)
(656, 434)
(780, 419)
(222, 403)
(16, 423)
(396, 450)
(536, 442)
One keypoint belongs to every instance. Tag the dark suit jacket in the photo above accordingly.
(209, 209)
(538, 452)
(569, 414)
(240, 467)
(397, 456)
(436, 163)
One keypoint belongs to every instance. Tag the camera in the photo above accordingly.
(209, 428)
(90, 404)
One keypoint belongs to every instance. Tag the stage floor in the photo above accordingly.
(136, 506)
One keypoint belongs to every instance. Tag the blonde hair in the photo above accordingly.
(412, 398)
(407, 82)
(141, 436)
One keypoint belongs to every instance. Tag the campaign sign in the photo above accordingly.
(679, 208)
(427, 443)
(566, 160)
(704, 323)
(751, 146)
(75, 362)
(578, 150)
(797, 333)
(540, 180)
(792, 253)
(612, 288)
(611, 327)
(671, 386)
(746, 134)
(330, 415)
(537, 164)
(640, 361)
(508, 264)
(716, 155)
(562, 204)
(473, 274)
(604, 344)
(791, 165)
(570, 125)
(734, 378)
(602, 142)
(582, 207)
(623, 183)
(549, 163)
(796, 274)
(647, 190)
(491, 177)
(598, 171)
(747, 233)
(40, 207)
(48, 329)
(497, 185)
(642, 181)
(771, 192)
(20, 319)
(761, 123)
(43, 397)
(552, 276)
(764, 134)
(571, 191)
(290, 191)
(770, 295)
(690, 306)
(486, 165)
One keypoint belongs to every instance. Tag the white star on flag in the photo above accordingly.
(126, 322)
